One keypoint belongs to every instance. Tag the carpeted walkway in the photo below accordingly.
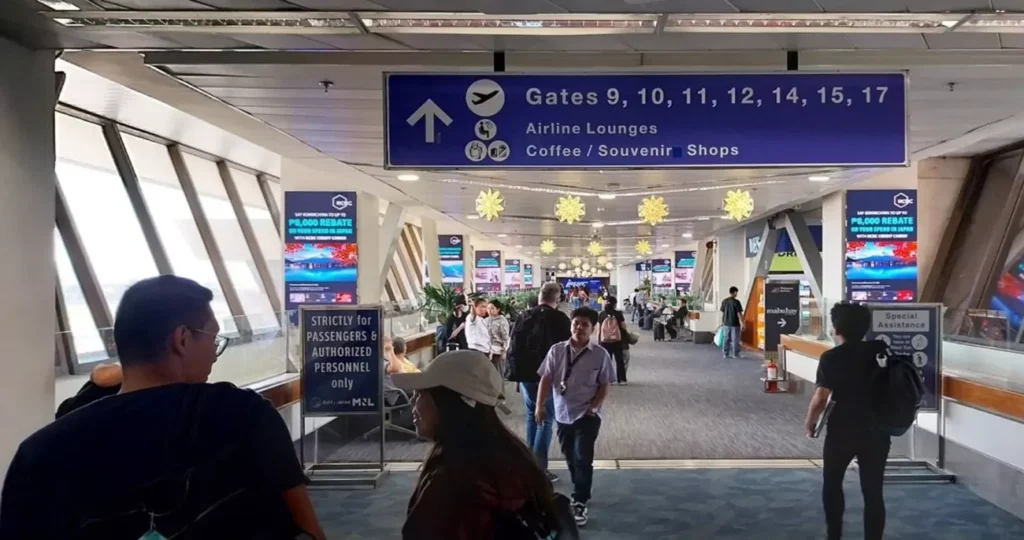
(772, 504)
(684, 401)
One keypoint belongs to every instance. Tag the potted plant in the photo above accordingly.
(439, 302)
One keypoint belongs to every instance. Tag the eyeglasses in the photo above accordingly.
(219, 341)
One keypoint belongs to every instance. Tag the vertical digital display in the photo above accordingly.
(453, 264)
(661, 272)
(881, 245)
(321, 256)
(487, 276)
(528, 275)
(685, 262)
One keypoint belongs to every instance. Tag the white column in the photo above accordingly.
(833, 247)
(368, 285)
(431, 250)
(731, 266)
(27, 279)
(938, 185)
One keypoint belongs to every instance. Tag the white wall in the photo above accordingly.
(27, 279)
(938, 185)
(833, 246)
(731, 263)
(626, 279)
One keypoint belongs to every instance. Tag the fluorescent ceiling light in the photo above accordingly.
(502, 235)
(472, 216)
(687, 235)
(597, 225)
(212, 21)
(819, 178)
(637, 256)
(570, 24)
(664, 245)
(59, 5)
(606, 196)
(789, 23)
(520, 246)
(408, 177)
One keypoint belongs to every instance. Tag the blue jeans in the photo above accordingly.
(731, 344)
(577, 441)
(538, 438)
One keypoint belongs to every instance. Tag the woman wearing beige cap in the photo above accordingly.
(479, 481)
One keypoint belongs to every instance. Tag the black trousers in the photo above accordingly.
(615, 350)
(577, 441)
(871, 450)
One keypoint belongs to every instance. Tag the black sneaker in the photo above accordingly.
(579, 513)
(552, 477)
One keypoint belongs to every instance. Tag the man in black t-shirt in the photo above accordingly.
(732, 323)
(170, 455)
(845, 373)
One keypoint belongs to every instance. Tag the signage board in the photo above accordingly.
(452, 255)
(881, 245)
(649, 120)
(321, 255)
(487, 276)
(513, 274)
(342, 360)
(914, 330)
(781, 312)
(661, 272)
(643, 266)
(685, 262)
(528, 275)
(785, 260)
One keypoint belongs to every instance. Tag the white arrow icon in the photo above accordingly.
(782, 323)
(429, 111)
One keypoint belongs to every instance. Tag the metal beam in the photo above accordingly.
(65, 351)
(268, 197)
(250, 238)
(806, 250)
(999, 244)
(212, 249)
(952, 235)
(390, 231)
(91, 289)
(407, 257)
(769, 241)
(112, 134)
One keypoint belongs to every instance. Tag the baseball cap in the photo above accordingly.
(468, 373)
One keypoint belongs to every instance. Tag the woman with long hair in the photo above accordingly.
(611, 334)
(498, 328)
(479, 481)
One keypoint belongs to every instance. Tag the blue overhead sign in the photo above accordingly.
(508, 121)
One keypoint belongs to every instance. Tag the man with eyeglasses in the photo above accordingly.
(169, 455)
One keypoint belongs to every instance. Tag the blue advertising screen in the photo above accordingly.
(513, 273)
(528, 275)
(593, 285)
(342, 360)
(913, 330)
(579, 121)
(321, 256)
(685, 262)
(881, 245)
(453, 265)
(487, 275)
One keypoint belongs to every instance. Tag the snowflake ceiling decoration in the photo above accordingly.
(652, 210)
(489, 204)
(547, 247)
(576, 261)
(570, 209)
(609, 265)
(738, 204)
(643, 247)
(602, 259)
(594, 248)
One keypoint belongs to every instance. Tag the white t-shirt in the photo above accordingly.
(478, 334)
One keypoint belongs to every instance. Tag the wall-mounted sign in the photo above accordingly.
(685, 262)
(661, 272)
(342, 360)
(513, 274)
(600, 121)
(321, 256)
(643, 266)
(914, 330)
(881, 245)
(452, 255)
(487, 276)
(528, 275)
(785, 260)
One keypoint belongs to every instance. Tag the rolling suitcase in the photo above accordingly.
(659, 331)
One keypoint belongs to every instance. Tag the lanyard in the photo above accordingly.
(572, 361)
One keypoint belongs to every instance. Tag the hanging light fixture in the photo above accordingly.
(489, 204)
(570, 209)
(652, 210)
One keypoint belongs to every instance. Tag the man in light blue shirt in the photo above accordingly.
(577, 372)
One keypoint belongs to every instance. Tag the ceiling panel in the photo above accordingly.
(340, 5)
(250, 4)
(362, 42)
(152, 4)
(803, 42)
(699, 41)
(903, 5)
(645, 6)
(203, 41)
(887, 41)
(438, 43)
(777, 6)
(134, 40)
(281, 41)
(962, 41)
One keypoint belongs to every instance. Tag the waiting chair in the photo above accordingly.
(395, 400)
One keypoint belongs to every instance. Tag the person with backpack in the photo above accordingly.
(846, 376)
(611, 332)
(479, 482)
(533, 334)
(170, 455)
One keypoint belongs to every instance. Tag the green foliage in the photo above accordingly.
(438, 302)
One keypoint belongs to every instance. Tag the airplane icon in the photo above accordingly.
(480, 97)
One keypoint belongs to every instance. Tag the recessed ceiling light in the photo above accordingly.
(502, 235)
(408, 177)
(597, 225)
(472, 216)
(664, 245)
(606, 196)
(687, 235)
(819, 178)
(520, 246)
(637, 256)
(59, 5)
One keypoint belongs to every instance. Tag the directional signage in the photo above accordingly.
(781, 312)
(580, 121)
(914, 330)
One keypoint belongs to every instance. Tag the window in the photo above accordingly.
(85, 337)
(262, 224)
(228, 234)
(174, 221)
(100, 208)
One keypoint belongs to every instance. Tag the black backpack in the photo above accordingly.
(525, 525)
(897, 392)
(529, 344)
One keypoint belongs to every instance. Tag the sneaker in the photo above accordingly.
(552, 477)
(579, 513)
(624, 383)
